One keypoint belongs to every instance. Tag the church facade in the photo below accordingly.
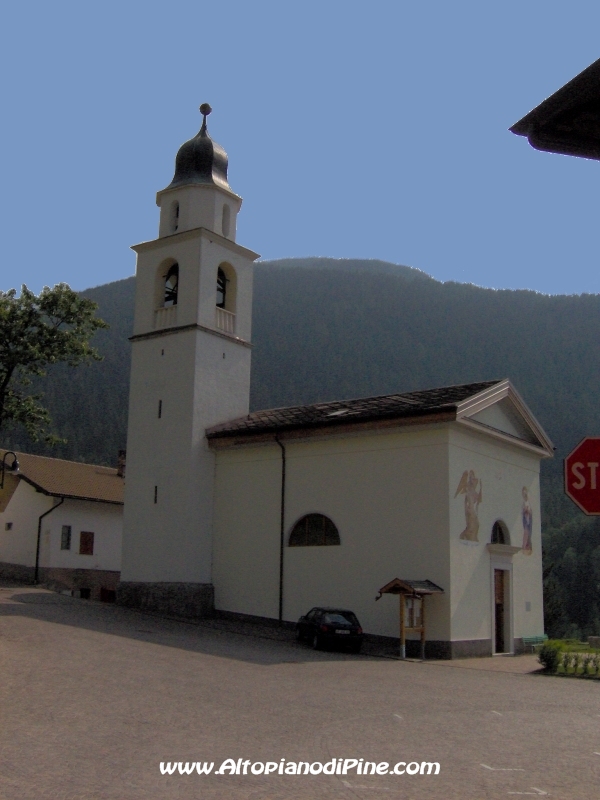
(273, 512)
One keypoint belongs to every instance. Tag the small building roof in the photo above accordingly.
(71, 479)
(406, 586)
(441, 402)
(568, 121)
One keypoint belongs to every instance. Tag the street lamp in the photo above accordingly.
(14, 467)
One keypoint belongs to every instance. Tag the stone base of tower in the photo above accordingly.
(191, 600)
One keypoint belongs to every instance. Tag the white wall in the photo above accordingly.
(18, 546)
(247, 530)
(201, 380)
(386, 493)
(504, 470)
(103, 519)
(391, 496)
(200, 206)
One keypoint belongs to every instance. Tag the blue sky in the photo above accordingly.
(353, 130)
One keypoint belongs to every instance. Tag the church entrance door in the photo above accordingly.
(500, 616)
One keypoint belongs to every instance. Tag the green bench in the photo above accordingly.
(531, 642)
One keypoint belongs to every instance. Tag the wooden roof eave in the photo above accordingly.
(399, 586)
(218, 441)
(67, 496)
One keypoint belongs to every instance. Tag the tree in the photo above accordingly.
(36, 331)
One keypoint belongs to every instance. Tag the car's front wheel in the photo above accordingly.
(316, 642)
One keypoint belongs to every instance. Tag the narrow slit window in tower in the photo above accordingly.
(226, 220)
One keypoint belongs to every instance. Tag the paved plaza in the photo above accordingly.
(94, 697)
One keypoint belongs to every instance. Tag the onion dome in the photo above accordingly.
(200, 160)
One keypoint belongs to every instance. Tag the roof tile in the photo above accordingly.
(60, 478)
(344, 412)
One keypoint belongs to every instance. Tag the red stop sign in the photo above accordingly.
(582, 475)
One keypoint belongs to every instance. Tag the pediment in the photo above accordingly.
(501, 411)
(504, 417)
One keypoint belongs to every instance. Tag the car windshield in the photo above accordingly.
(340, 618)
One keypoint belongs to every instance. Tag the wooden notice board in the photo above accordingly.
(412, 596)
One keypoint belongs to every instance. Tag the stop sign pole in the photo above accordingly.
(582, 475)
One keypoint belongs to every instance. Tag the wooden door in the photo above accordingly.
(499, 609)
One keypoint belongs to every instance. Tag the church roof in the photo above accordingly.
(441, 401)
(71, 479)
(200, 160)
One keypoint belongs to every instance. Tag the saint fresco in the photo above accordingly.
(527, 516)
(470, 485)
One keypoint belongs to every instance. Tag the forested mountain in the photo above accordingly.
(329, 329)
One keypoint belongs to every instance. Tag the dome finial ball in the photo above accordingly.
(205, 109)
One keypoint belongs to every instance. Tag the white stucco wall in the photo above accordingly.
(103, 519)
(18, 545)
(200, 206)
(201, 380)
(503, 470)
(385, 492)
(391, 496)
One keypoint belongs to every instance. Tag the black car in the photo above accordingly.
(330, 626)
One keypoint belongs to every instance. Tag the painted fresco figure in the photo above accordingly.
(472, 489)
(527, 515)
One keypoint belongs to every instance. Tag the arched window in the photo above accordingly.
(221, 288)
(500, 534)
(314, 530)
(171, 286)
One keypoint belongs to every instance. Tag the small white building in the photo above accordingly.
(271, 513)
(64, 521)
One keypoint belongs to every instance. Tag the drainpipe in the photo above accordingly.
(39, 536)
(281, 529)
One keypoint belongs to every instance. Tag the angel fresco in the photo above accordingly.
(527, 515)
(472, 488)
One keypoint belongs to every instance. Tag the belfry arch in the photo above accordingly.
(166, 286)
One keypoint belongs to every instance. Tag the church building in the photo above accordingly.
(273, 512)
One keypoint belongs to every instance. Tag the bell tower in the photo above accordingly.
(190, 370)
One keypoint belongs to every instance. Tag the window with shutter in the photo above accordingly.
(86, 543)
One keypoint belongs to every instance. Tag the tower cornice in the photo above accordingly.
(210, 187)
(167, 241)
(137, 337)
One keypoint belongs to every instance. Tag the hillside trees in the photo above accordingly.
(36, 331)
